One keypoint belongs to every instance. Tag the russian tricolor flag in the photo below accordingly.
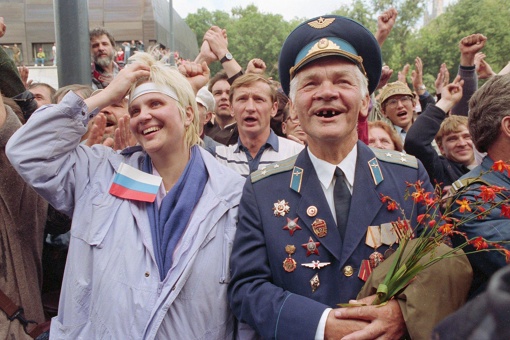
(133, 184)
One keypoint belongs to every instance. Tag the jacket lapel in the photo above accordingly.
(365, 203)
(312, 195)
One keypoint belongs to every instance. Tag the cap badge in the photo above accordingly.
(321, 23)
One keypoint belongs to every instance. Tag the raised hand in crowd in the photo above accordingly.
(483, 69)
(385, 23)
(206, 54)
(123, 137)
(402, 75)
(218, 44)
(197, 74)
(386, 74)
(442, 79)
(256, 65)
(469, 46)
(451, 94)
(417, 77)
(96, 132)
(23, 73)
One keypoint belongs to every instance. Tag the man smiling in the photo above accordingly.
(303, 221)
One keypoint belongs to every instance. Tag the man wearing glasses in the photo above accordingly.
(397, 104)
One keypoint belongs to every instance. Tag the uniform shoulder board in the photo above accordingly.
(395, 157)
(274, 168)
(465, 182)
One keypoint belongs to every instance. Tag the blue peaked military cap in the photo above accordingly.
(330, 35)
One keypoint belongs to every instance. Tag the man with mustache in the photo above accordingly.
(102, 51)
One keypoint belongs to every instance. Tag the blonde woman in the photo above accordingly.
(152, 225)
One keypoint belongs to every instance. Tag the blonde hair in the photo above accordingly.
(451, 124)
(168, 76)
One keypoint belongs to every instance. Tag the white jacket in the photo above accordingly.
(111, 287)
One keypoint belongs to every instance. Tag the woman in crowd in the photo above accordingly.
(382, 136)
(152, 225)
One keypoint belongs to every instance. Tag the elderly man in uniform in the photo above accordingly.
(302, 235)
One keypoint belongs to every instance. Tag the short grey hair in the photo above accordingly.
(487, 108)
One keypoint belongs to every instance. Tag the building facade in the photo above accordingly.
(31, 25)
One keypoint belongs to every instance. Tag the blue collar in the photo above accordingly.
(272, 140)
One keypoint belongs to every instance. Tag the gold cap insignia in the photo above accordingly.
(321, 23)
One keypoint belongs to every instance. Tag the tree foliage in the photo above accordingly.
(254, 34)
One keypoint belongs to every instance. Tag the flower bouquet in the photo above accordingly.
(444, 215)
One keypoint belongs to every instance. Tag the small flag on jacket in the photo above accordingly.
(133, 184)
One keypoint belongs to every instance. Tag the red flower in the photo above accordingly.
(481, 212)
(432, 223)
(392, 205)
(446, 229)
(479, 243)
(464, 205)
(505, 210)
(421, 217)
(499, 166)
(488, 193)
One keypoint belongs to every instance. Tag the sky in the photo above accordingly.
(289, 9)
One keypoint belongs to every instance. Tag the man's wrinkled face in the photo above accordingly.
(102, 50)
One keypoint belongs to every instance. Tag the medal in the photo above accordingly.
(281, 208)
(373, 240)
(311, 211)
(315, 282)
(365, 270)
(319, 227)
(311, 247)
(388, 236)
(289, 264)
(292, 226)
(316, 264)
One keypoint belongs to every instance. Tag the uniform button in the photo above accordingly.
(348, 271)
(147, 274)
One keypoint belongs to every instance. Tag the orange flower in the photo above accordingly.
(507, 255)
(418, 195)
(464, 205)
(446, 229)
(479, 243)
(505, 210)
(499, 166)
(392, 205)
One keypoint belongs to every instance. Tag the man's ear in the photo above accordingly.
(274, 109)
(284, 128)
(365, 105)
(505, 126)
(208, 117)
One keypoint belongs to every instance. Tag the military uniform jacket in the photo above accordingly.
(281, 304)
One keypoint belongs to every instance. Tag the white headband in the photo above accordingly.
(152, 88)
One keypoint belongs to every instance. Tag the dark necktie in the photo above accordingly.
(342, 200)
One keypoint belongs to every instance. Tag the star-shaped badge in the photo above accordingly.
(311, 247)
(281, 208)
(292, 226)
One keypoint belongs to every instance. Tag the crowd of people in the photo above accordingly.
(165, 202)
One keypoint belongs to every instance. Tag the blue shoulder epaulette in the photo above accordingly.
(274, 168)
(395, 157)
